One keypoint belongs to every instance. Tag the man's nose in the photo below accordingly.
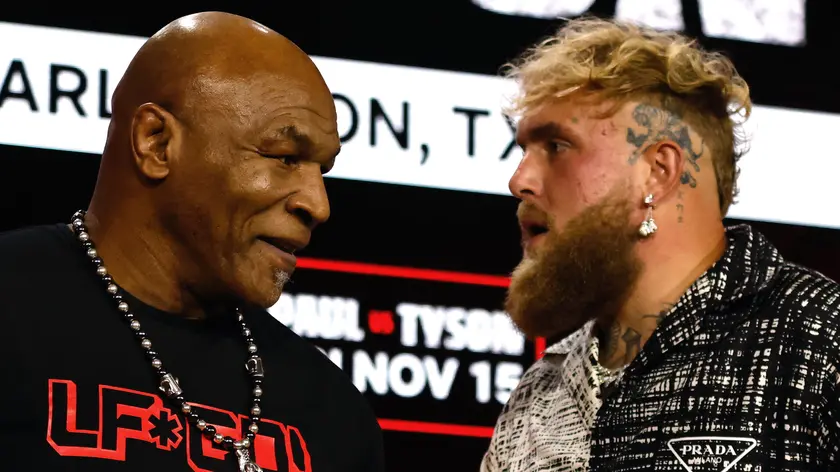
(311, 203)
(526, 179)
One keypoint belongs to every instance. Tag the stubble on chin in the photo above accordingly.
(281, 277)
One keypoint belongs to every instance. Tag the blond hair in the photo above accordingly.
(620, 62)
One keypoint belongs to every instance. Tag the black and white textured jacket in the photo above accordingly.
(741, 375)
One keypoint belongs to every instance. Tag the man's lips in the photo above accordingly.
(533, 232)
(282, 252)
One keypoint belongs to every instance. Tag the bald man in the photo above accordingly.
(135, 336)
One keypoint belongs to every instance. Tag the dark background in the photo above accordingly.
(411, 226)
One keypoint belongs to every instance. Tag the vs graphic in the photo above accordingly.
(127, 415)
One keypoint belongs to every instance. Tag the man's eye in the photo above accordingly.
(286, 159)
(557, 146)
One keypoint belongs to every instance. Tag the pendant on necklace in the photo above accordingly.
(245, 463)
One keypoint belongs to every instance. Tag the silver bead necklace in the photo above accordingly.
(168, 382)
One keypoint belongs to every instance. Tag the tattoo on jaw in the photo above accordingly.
(659, 125)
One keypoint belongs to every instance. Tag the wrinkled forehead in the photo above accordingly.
(251, 101)
(574, 114)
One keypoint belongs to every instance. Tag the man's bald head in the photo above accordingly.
(183, 56)
(220, 134)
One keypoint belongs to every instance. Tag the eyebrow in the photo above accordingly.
(547, 132)
(303, 142)
(293, 133)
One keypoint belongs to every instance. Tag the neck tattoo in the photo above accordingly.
(168, 382)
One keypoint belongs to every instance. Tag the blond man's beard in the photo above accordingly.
(584, 272)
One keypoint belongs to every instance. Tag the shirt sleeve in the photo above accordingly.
(489, 463)
(830, 439)
(492, 461)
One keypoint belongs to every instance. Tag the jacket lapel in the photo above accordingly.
(579, 377)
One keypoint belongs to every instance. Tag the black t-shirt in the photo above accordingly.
(78, 393)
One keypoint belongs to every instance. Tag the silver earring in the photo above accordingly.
(648, 226)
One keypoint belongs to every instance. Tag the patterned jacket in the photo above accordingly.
(741, 375)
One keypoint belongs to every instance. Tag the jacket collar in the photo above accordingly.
(749, 264)
(580, 376)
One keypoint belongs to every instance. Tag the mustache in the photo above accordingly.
(529, 212)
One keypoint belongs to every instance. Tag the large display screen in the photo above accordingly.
(771, 22)
(432, 348)
(399, 125)
(403, 288)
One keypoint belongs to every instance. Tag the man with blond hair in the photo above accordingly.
(674, 343)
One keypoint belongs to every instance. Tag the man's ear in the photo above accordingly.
(152, 132)
(667, 161)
